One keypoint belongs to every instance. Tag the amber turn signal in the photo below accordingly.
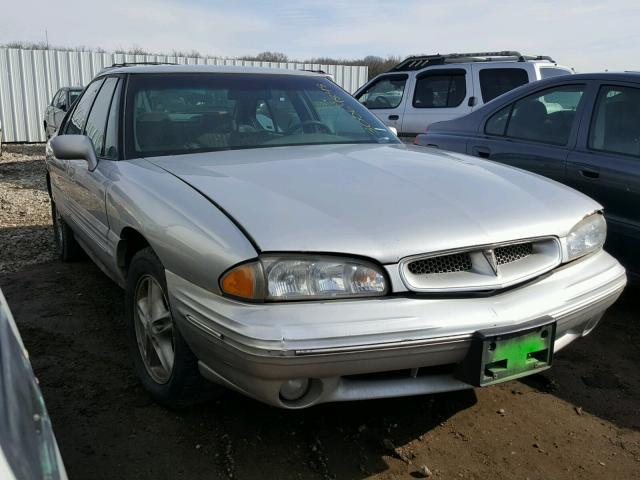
(241, 281)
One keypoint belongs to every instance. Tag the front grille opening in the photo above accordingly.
(457, 262)
(512, 253)
(405, 373)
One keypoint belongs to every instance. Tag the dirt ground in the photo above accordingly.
(579, 420)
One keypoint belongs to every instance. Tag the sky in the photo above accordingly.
(587, 35)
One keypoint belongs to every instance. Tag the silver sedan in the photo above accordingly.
(274, 237)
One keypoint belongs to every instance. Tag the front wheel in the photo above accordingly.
(68, 248)
(162, 359)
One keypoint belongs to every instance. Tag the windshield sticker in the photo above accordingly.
(340, 102)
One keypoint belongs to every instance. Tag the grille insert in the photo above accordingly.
(457, 262)
(512, 253)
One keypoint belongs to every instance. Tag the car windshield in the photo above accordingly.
(172, 114)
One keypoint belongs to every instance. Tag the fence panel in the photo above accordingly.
(30, 78)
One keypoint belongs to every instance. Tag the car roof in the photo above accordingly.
(135, 69)
(611, 76)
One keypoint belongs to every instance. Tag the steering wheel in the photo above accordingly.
(382, 102)
(300, 126)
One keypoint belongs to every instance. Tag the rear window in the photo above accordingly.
(73, 96)
(548, 72)
(496, 81)
(616, 123)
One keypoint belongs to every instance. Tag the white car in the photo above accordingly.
(423, 90)
(28, 448)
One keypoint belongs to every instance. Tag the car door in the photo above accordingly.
(606, 165)
(438, 94)
(534, 132)
(60, 178)
(385, 97)
(88, 188)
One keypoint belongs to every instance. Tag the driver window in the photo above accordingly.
(386, 92)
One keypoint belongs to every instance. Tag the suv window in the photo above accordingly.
(496, 81)
(545, 116)
(97, 121)
(76, 123)
(440, 89)
(386, 92)
(616, 123)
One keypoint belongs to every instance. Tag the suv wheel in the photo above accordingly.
(162, 359)
(66, 244)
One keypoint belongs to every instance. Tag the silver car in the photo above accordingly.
(274, 237)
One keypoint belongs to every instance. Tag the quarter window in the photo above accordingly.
(496, 81)
(616, 123)
(111, 137)
(440, 89)
(385, 92)
(497, 124)
(97, 121)
(76, 124)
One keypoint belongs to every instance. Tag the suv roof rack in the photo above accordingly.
(421, 61)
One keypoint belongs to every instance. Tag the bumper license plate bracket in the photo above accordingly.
(505, 353)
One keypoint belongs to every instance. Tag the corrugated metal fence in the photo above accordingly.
(30, 78)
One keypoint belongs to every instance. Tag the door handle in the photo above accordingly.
(472, 102)
(483, 152)
(589, 173)
(394, 117)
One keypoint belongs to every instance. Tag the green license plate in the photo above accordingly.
(502, 354)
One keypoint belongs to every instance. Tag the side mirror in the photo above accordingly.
(74, 147)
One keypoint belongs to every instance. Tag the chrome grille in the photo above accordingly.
(457, 262)
(512, 253)
(484, 267)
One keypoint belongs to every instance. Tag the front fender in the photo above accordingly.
(190, 235)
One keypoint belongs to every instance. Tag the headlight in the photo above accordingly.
(587, 236)
(292, 277)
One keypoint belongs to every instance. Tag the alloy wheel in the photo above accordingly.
(154, 329)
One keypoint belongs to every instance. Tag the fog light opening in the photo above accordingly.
(294, 389)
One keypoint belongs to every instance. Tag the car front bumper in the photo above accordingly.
(376, 348)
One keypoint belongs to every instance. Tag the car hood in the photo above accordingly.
(380, 201)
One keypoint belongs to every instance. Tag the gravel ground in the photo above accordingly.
(25, 215)
(579, 420)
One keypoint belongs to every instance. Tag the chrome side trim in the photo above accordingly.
(203, 326)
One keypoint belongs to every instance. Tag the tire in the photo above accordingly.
(68, 248)
(175, 387)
